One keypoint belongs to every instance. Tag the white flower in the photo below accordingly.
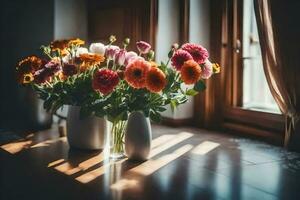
(67, 58)
(81, 50)
(97, 48)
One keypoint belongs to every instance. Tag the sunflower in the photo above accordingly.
(190, 72)
(27, 78)
(135, 73)
(155, 80)
(76, 42)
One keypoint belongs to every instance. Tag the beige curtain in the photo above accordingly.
(279, 34)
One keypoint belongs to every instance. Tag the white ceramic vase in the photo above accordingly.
(138, 136)
(89, 133)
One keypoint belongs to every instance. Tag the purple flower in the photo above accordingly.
(143, 47)
(120, 57)
(111, 51)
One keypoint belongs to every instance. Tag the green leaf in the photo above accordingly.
(161, 109)
(155, 116)
(191, 92)
(200, 86)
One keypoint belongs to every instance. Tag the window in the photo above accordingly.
(247, 105)
(256, 93)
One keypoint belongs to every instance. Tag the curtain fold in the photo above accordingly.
(279, 35)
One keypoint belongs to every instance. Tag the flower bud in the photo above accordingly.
(150, 55)
(175, 46)
(126, 42)
(112, 39)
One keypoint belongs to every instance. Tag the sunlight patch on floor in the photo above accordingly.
(204, 147)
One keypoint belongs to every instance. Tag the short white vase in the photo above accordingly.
(89, 133)
(138, 136)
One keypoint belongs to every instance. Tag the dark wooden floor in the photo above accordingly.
(185, 163)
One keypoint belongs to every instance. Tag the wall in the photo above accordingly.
(25, 26)
(70, 19)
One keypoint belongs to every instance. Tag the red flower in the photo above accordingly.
(69, 69)
(179, 57)
(105, 81)
(198, 52)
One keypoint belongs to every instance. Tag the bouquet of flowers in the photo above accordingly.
(112, 81)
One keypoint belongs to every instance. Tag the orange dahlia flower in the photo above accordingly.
(155, 80)
(89, 59)
(190, 72)
(153, 64)
(135, 73)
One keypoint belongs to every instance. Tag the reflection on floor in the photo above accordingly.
(184, 163)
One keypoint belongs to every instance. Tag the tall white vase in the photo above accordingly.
(89, 133)
(138, 136)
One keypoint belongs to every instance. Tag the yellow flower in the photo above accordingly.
(76, 42)
(216, 68)
(27, 78)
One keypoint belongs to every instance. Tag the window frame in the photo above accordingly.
(234, 116)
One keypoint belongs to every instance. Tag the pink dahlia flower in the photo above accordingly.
(207, 70)
(179, 57)
(143, 47)
(199, 53)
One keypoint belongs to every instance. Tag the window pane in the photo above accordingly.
(256, 93)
